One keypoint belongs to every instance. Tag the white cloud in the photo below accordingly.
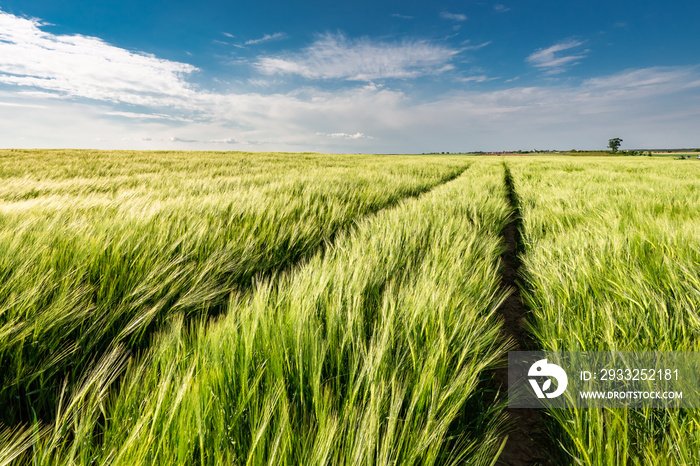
(357, 135)
(397, 15)
(333, 56)
(550, 59)
(267, 38)
(81, 66)
(640, 84)
(146, 116)
(652, 107)
(501, 8)
(649, 107)
(476, 78)
(13, 104)
(453, 16)
(476, 47)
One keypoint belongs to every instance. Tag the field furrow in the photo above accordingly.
(527, 442)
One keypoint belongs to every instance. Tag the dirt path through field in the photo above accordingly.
(527, 443)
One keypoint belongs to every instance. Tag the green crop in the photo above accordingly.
(612, 263)
(285, 309)
(98, 249)
(373, 349)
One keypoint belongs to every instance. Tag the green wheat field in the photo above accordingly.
(202, 308)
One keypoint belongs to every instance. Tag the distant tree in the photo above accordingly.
(614, 144)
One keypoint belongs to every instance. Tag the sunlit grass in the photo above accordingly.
(612, 262)
(373, 352)
(235, 308)
(98, 249)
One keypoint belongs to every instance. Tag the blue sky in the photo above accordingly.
(409, 76)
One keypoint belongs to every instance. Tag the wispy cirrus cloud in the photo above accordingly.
(81, 66)
(501, 8)
(398, 15)
(333, 56)
(356, 135)
(476, 46)
(453, 16)
(14, 104)
(552, 61)
(267, 38)
(643, 83)
(146, 116)
(479, 78)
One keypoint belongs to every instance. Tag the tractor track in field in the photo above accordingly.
(528, 443)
